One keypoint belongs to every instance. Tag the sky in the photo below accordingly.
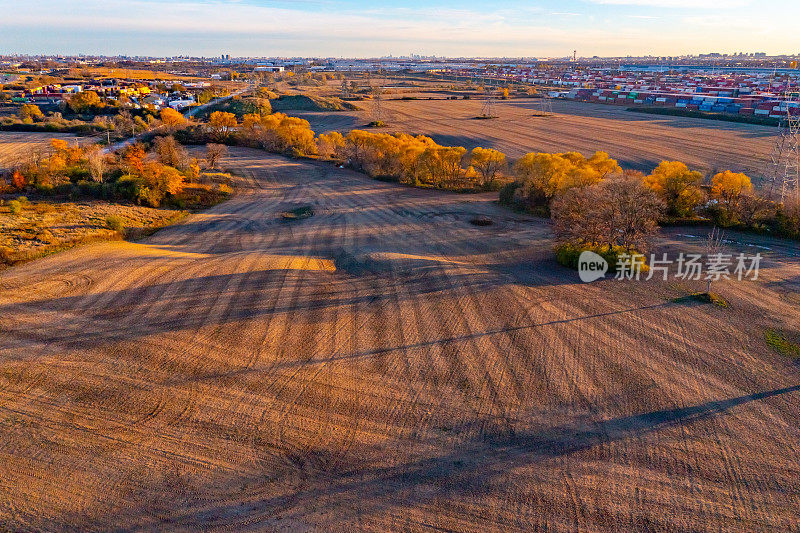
(359, 28)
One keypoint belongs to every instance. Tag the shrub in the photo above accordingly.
(15, 207)
(298, 213)
(777, 341)
(787, 220)
(6, 255)
(18, 180)
(567, 254)
(113, 222)
(507, 196)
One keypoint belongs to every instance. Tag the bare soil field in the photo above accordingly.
(386, 365)
(14, 145)
(636, 140)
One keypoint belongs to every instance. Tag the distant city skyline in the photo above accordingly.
(355, 28)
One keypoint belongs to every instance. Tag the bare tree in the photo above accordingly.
(753, 209)
(713, 248)
(215, 152)
(96, 161)
(618, 211)
(171, 153)
(124, 124)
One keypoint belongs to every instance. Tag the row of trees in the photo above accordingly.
(540, 177)
(406, 158)
(567, 182)
(416, 160)
(275, 132)
(594, 202)
(146, 175)
(123, 124)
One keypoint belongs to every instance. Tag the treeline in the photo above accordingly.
(728, 200)
(159, 173)
(414, 160)
(123, 124)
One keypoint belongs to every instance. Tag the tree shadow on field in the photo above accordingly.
(192, 301)
(467, 141)
(466, 470)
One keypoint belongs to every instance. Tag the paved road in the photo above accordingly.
(384, 365)
(191, 112)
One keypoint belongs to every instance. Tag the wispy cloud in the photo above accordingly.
(331, 27)
(695, 4)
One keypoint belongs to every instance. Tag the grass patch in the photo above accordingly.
(45, 228)
(481, 221)
(301, 102)
(703, 297)
(114, 222)
(778, 341)
(197, 196)
(15, 258)
(377, 124)
(298, 213)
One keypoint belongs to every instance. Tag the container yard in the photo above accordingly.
(757, 92)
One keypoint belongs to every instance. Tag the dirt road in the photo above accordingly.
(386, 365)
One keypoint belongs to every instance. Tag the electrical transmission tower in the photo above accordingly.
(545, 105)
(489, 105)
(378, 113)
(784, 172)
(345, 89)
